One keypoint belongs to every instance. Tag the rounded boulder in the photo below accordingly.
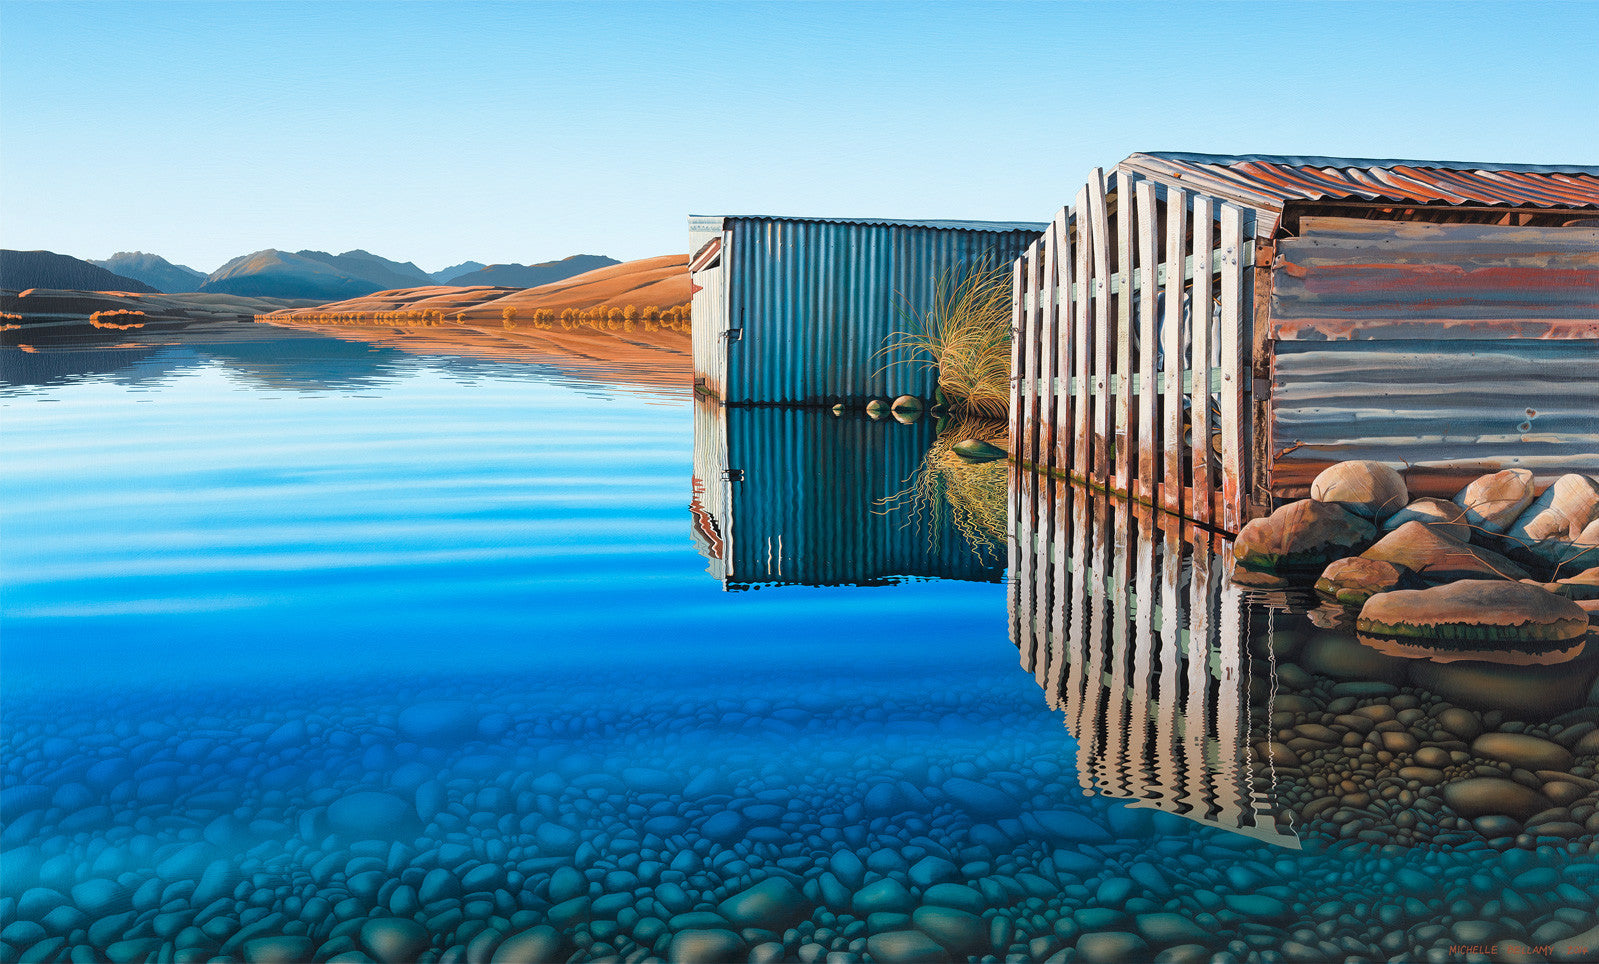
(1371, 490)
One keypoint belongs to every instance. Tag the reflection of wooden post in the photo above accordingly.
(1026, 535)
(1232, 744)
(1063, 602)
(1043, 505)
(1117, 751)
(1195, 716)
(1081, 630)
(1169, 688)
(1144, 642)
(1091, 724)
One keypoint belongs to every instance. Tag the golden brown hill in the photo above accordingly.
(648, 283)
(642, 347)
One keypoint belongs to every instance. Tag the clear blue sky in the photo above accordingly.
(441, 132)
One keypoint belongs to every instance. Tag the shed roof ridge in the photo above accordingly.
(946, 223)
(1228, 160)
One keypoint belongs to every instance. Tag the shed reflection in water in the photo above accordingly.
(788, 496)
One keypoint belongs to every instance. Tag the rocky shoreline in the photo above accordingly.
(522, 820)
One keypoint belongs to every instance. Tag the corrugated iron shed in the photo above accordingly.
(799, 311)
(1267, 183)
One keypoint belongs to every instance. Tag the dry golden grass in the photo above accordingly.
(965, 335)
(949, 492)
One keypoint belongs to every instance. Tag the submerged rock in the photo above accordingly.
(1301, 537)
(977, 450)
(1355, 580)
(1371, 490)
(1441, 514)
(1494, 502)
(876, 409)
(1475, 610)
(1485, 796)
(1439, 558)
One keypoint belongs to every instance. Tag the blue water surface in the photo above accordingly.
(317, 653)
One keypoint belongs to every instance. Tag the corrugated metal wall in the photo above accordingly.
(707, 305)
(806, 501)
(1447, 349)
(813, 302)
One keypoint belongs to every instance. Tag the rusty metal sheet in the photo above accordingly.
(1442, 411)
(1267, 182)
(1348, 278)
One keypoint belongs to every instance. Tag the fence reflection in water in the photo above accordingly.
(1125, 618)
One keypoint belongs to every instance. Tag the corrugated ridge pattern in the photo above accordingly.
(817, 302)
(1271, 182)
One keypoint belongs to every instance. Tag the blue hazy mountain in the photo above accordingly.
(532, 275)
(21, 270)
(153, 270)
(313, 274)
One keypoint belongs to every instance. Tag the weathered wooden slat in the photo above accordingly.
(1018, 337)
(1048, 270)
(1083, 322)
(1148, 341)
(1233, 339)
(1124, 335)
(1199, 362)
(1029, 440)
(1103, 337)
(1064, 336)
(1171, 391)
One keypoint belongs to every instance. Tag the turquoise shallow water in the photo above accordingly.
(312, 652)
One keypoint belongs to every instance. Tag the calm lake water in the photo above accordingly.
(315, 650)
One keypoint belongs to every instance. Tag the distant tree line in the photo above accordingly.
(619, 318)
(120, 319)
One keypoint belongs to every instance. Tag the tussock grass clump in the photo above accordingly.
(965, 335)
(947, 492)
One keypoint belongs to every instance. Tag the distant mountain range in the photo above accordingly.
(21, 270)
(276, 274)
(444, 275)
(153, 270)
(531, 275)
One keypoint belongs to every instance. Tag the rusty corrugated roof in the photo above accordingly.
(1268, 182)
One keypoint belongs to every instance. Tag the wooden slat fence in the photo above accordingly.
(1132, 317)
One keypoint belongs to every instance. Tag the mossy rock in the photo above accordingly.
(977, 450)
(1476, 611)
